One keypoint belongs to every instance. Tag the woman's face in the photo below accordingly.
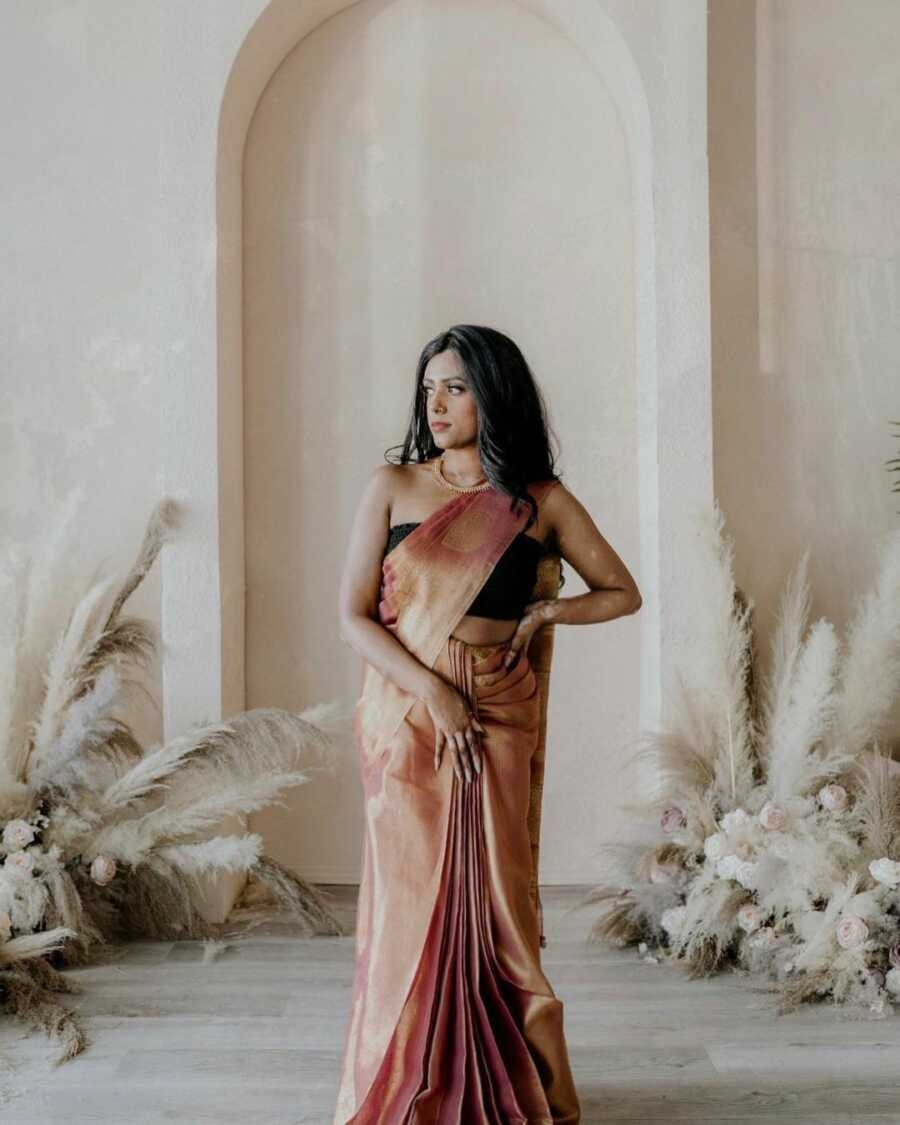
(449, 399)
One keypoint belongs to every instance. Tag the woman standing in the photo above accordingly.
(452, 1020)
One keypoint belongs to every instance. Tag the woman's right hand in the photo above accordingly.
(454, 727)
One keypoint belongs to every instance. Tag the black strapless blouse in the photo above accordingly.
(509, 585)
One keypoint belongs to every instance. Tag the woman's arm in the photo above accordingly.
(454, 727)
(612, 592)
(360, 585)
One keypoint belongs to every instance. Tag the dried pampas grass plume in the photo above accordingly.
(109, 839)
(777, 837)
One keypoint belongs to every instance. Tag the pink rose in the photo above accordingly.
(772, 817)
(851, 931)
(876, 976)
(750, 917)
(672, 819)
(103, 870)
(833, 797)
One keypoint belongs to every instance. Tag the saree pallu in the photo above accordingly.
(452, 1021)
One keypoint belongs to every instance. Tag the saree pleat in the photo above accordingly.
(478, 1038)
(452, 1020)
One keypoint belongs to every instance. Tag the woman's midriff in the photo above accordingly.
(483, 630)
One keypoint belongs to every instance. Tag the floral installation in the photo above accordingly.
(101, 840)
(776, 800)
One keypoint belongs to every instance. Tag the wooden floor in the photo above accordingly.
(256, 1036)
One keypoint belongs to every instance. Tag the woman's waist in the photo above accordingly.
(484, 632)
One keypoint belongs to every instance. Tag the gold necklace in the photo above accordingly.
(438, 472)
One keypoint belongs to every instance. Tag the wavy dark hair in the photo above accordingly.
(513, 434)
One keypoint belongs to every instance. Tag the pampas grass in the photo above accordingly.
(779, 814)
(101, 840)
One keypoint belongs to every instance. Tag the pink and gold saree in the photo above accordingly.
(452, 1020)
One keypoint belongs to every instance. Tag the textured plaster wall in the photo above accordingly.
(402, 175)
(122, 294)
(805, 161)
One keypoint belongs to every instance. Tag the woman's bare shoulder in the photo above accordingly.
(396, 481)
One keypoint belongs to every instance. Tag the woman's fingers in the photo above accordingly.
(457, 766)
(463, 753)
(517, 641)
(464, 747)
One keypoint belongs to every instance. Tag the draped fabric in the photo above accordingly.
(452, 1020)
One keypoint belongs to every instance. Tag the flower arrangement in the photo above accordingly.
(777, 849)
(100, 839)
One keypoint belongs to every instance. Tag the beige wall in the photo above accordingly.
(122, 311)
(122, 333)
(402, 174)
(804, 166)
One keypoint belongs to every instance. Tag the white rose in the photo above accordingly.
(714, 845)
(772, 817)
(19, 863)
(745, 874)
(5, 925)
(750, 917)
(727, 866)
(737, 818)
(851, 931)
(833, 797)
(885, 871)
(103, 870)
(892, 981)
(17, 834)
(672, 920)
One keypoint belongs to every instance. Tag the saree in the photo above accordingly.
(452, 1020)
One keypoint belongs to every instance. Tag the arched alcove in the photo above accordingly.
(402, 173)
(677, 346)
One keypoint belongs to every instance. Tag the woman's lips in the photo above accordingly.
(440, 425)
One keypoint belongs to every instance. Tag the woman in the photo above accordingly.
(453, 1021)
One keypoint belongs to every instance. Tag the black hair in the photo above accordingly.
(513, 434)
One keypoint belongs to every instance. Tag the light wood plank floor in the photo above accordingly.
(256, 1035)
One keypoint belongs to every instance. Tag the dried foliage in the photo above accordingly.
(101, 840)
(778, 811)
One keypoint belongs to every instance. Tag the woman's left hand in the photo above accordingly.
(535, 615)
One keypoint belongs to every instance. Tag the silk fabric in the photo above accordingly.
(452, 1020)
